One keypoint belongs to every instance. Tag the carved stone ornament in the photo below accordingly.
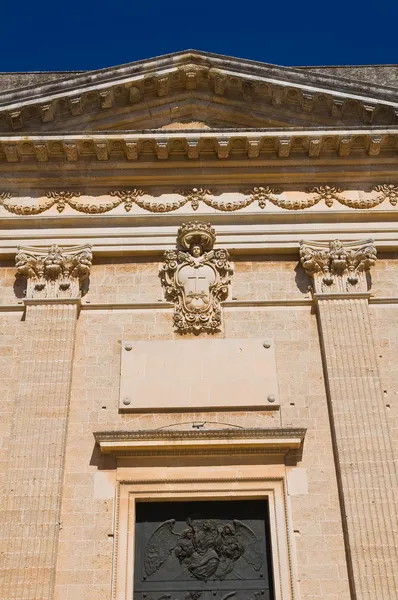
(207, 548)
(54, 272)
(197, 197)
(338, 267)
(196, 278)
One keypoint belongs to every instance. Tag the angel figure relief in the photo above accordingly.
(196, 278)
(207, 548)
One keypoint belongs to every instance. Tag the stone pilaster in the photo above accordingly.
(364, 453)
(31, 498)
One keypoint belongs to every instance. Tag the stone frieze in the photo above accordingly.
(259, 197)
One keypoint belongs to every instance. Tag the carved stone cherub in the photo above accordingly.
(196, 278)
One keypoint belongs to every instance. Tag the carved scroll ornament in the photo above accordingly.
(338, 266)
(54, 272)
(196, 278)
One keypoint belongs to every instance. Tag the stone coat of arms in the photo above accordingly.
(196, 278)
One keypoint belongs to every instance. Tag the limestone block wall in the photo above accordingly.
(86, 538)
(10, 343)
(87, 519)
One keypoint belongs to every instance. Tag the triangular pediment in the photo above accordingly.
(195, 88)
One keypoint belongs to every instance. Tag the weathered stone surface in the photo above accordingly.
(79, 171)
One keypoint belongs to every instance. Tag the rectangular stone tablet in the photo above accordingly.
(198, 374)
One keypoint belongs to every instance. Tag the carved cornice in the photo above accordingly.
(260, 196)
(338, 267)
(199, 145)
(206, 442)
(304, 93)
(53, 272)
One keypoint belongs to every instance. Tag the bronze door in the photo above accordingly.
(214, 550)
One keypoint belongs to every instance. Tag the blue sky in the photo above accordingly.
(72, 35)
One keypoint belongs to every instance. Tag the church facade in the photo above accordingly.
(199, 332)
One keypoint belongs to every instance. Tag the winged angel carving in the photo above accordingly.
(196, 278)
(207, 547)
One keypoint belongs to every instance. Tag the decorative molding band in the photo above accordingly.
(301, 93)
(228, 304)
(201, 145)
(195, 197)
(214, 441)
(337, 268)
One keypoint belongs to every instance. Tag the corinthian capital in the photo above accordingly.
(338, 267)
(53, 272)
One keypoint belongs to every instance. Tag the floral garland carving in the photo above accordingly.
(130, 197)
(23, 209)
(195, 196)
(390, 191)
(262, 194)
(327, 193)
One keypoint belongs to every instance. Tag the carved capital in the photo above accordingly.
(54, 272)
(196, 278)
(338, 267)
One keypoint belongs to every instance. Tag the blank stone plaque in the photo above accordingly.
(198, 374)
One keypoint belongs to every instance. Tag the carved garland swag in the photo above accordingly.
(197, 196)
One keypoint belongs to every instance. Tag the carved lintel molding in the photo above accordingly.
(338, 267)
(196, 278)
(53, 272)
(210, 441)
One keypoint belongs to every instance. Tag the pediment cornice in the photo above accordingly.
(133, 86)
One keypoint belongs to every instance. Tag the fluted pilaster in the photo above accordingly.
(363, 448)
